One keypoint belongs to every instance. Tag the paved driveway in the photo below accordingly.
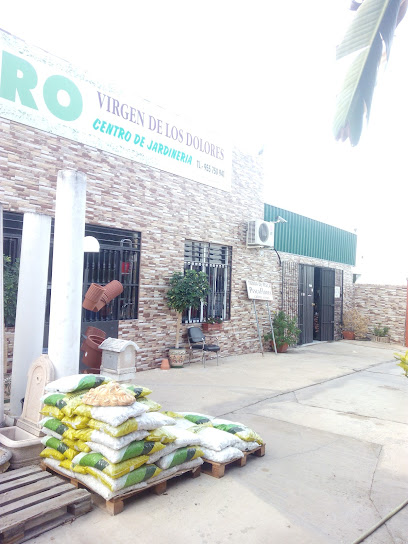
(335, 421)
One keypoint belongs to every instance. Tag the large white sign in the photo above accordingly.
(259, 290)
(42, 91)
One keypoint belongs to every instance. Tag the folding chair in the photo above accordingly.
(196, 341)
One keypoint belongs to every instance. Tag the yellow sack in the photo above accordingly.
(137, 390)
(71, 403)
(76, 422)
(76, 445)
(141, 474)
(54, 454)
(70, 434)
(66, 463)
(113, 470)
(125, 428)
(151, 404)
(52, 411)
(174, 415)
(79, 445)
(82, 434)
(162, 434)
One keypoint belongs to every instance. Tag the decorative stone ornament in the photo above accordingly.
(41, 372)
(118, 359)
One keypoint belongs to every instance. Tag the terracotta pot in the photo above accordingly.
(92, 359)
(283, 348)
(177, 356)
(208, 327)
(92, 341)
(92, 356)
(95, 332)
(349, 335)
(165, 364)
(93, 298)
(112, 290)
(94, 292)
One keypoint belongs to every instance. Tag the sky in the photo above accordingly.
(264, 75)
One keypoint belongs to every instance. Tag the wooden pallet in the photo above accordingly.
(33, 501)
(217, 470)
(115, 505)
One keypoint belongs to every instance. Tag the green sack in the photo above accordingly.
(113, 470)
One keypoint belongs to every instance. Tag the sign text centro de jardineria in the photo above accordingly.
(44, 92)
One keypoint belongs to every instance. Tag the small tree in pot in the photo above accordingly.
(285, 331)
(186, 290)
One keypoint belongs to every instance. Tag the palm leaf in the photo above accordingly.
(372, 29)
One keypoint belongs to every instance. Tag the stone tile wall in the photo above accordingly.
(343, 279)
(384, 305)
(167, 210)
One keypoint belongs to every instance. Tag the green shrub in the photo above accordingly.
(381, 331)
(10, 284)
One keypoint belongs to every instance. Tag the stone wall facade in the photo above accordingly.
(343, 284)
(383, 305)
(167, 210)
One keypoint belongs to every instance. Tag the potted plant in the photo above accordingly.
(212, 324)
(381, 334)
(354, 325)
(186, 290)
(285, 330)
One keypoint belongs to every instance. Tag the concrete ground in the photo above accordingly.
(335, 421)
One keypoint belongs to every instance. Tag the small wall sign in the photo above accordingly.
(259, 290)
(337, 291)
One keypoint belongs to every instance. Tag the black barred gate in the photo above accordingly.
(314, 296)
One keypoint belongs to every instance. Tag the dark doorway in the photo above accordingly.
(306, 301)
(315, 296)
(316, 303)
(323, 304)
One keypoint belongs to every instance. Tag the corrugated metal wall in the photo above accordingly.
(304, 236)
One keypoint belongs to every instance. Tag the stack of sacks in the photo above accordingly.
(248, 439)
(60, 400)
(181, 451)
(220, 440)
(120, 436)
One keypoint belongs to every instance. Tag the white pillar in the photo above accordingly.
(2, 361)
(31, 300)
(67, 273)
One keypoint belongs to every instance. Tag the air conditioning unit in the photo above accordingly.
(260, 233)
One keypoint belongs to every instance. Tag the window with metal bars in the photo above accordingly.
(215, 260)
(118, 259)
(12, 231)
